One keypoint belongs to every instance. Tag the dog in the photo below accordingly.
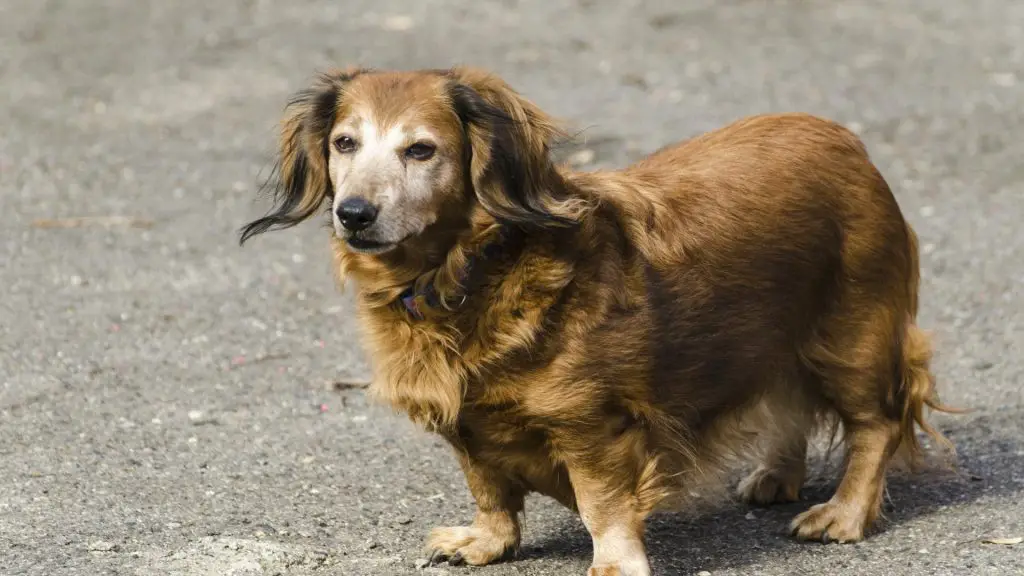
(613, 338)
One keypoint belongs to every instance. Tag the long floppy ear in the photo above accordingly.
(300, 182)
(509, 140)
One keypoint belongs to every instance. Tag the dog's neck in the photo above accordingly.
(434, 277)
(422, 298)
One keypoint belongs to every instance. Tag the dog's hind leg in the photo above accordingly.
(781, 473)
(785, 423)
(877, 386)
(858, 500)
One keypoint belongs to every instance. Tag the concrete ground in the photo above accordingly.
(166, 398)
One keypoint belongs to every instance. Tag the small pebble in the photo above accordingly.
(422, 563)
(703, 573)
(751, 516)
(403, 520)
(103, 546)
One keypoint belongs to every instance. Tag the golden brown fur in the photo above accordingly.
(722, 297)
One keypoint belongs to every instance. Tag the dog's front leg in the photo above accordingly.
(495, 532)
(615, 519)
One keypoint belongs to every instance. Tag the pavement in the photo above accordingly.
(168, 401)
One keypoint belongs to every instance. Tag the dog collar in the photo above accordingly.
(414, 300)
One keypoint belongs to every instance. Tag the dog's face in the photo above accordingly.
(396, 159)
(397, 155)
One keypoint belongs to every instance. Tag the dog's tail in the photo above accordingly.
(916, 382)
(916, 393)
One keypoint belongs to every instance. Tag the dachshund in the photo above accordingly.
(614, 338)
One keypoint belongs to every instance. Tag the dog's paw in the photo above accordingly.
(468, 545)
(620, 569)
(830, 522)
(765, 487)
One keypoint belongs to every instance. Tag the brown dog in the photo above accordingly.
(610, 339)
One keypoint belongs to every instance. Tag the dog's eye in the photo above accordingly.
(344, 144)
(420, 151)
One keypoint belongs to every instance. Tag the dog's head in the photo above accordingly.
(399, 155)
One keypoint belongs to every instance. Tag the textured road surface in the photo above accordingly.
(166, 401)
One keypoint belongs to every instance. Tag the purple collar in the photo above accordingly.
(414, 300)
(408, 298)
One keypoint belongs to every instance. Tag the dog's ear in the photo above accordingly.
(300, 182)
(508, 144)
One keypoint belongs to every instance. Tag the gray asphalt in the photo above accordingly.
(166, 398)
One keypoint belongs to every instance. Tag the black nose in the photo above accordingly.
(356, 214)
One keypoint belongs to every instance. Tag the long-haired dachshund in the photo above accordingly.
(613, 338)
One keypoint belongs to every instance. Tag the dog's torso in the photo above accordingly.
(691, 295)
